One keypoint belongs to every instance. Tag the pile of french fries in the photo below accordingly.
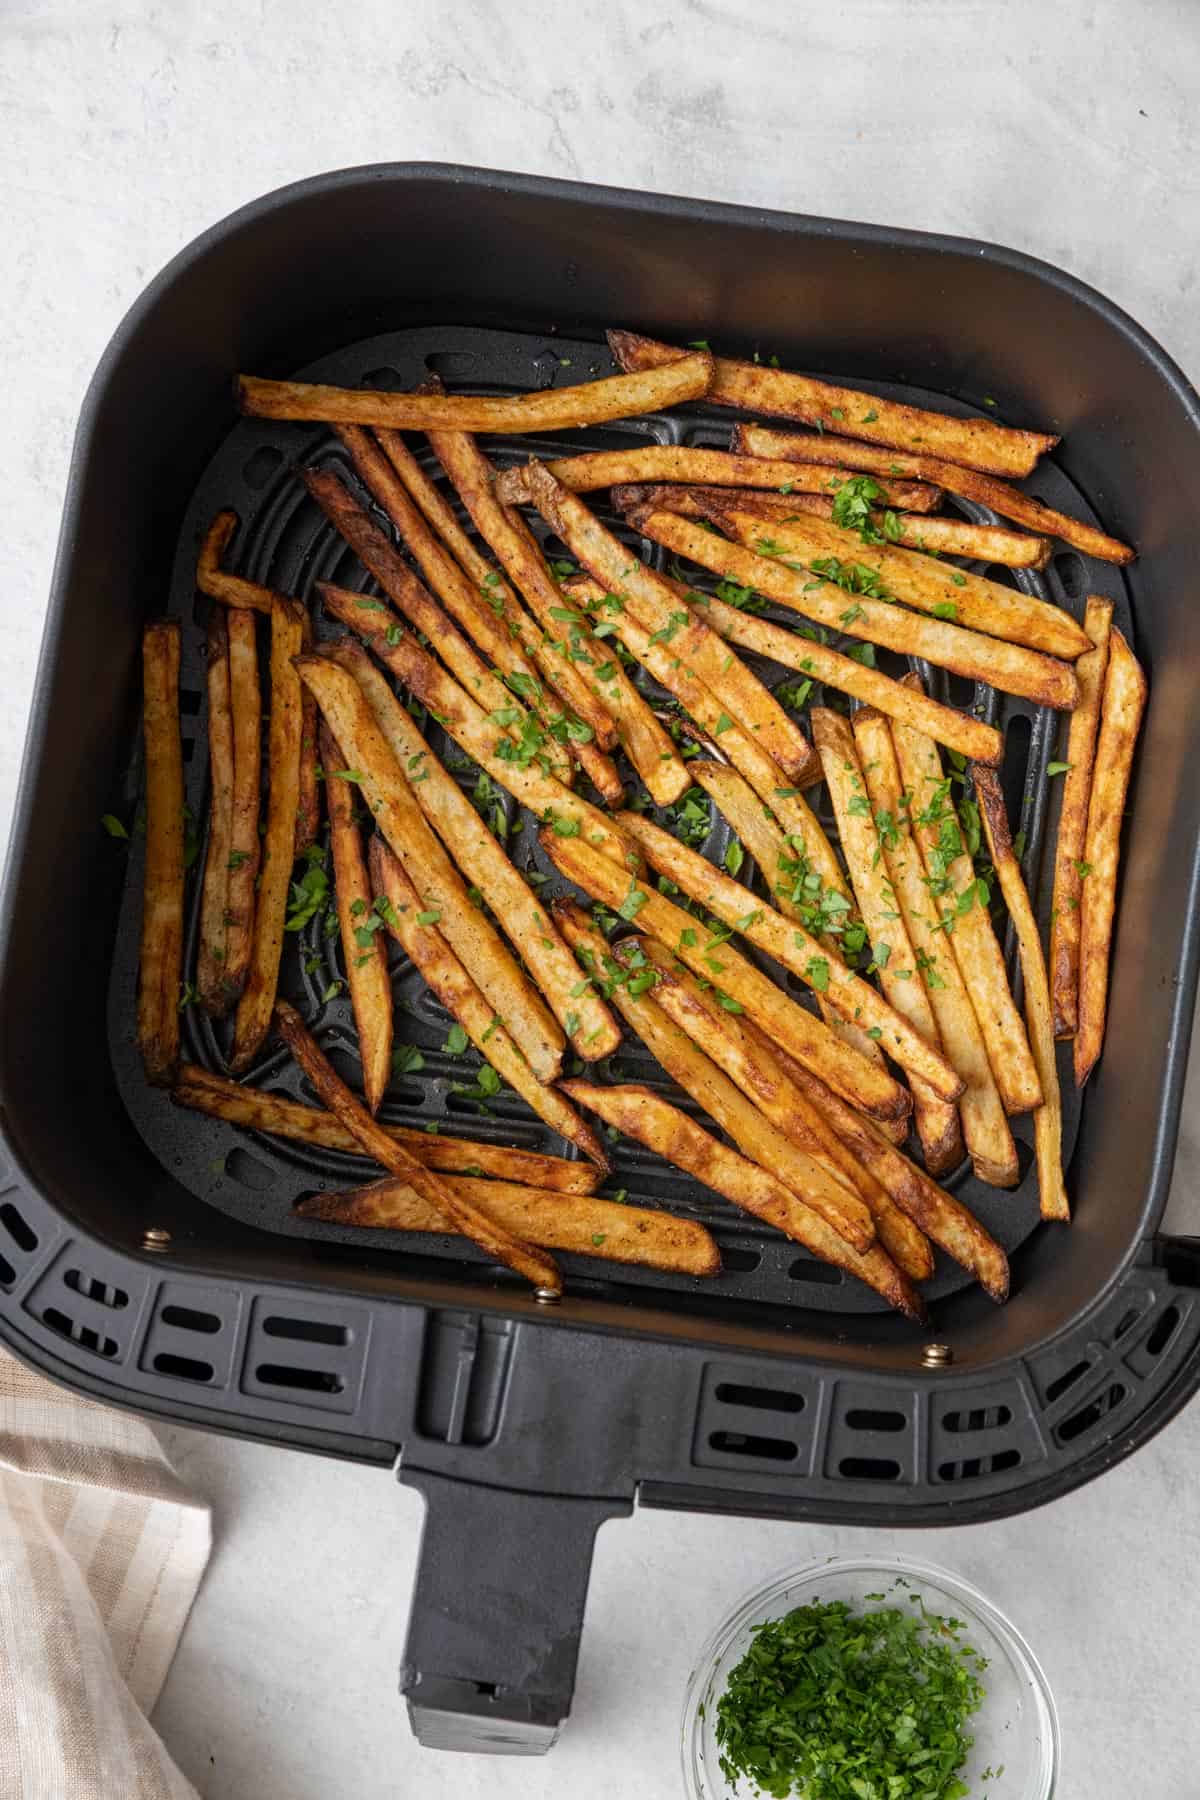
(832, 515)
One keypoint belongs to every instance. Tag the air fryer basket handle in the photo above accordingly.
(497, 1613)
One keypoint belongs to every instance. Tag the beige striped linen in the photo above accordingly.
(101, 1552)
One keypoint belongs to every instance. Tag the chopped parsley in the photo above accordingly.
(816, 970)
(406, 1059)
(456, 1040)
(1059, 768)
(734, 856)
(113, 825)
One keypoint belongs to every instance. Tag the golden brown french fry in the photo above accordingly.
(799, 1159)
(1121, 710)
(253, 1022)
(918, 581)
(955, 895)
(500, 1245)
(796, 948)
(244, 849)
(676, 462)
(214, 910)
(470, 727)
(808, 1039)
(363, 953)
(257, 1110)
(945, 1219)
(575, 656)
(588, 1227)
(587, 1021)
(546, 409)
(412, 927)
(212, 580)
(755, 1074)
(413, 600)
(697, 700)
(397, 815)
(1008, 501)
(462, 600)
(1047, 1118)
(640, 591)
(1009, 667)
(787, 842)
(916, 530)
(308, 804)
(640, 1113)
(985, 1125)
(160, 968)
(1072, 820)
(855, 412)
(892, 951)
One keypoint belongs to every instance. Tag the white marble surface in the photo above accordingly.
(1066, 130)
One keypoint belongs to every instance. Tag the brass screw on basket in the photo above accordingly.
(155, 1238)
(936, 1356)
(546, 1296)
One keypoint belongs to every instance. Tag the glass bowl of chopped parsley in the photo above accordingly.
(869, 1678)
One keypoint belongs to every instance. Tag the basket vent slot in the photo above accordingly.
(1068, 566)
(737, 1443)
(22, 1234)
(92, 1288)
(972, 1467)
(246, 1169)
(732, 1393)
(1096, 1409)
(1164, 1330)
(1056, 1388)
(184, 1368)
(186, 1318)
(83, 1335)
(8, 1274)
(869, 1468)
(804, 1269)
(1126, 1323)
(316, 1381)
(866, 1418)
(739, 1261)
(980, 1418)
(305, 1331)
(385, 380)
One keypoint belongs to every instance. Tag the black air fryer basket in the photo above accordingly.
(150, 1257)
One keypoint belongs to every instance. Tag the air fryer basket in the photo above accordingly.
(773, 1389)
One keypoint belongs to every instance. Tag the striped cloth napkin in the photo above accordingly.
(101, 1553)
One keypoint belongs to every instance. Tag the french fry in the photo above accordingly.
(794, 947)
(253, 1022)
(808, 1039)
(985, 1125)
(308, 804)
(275, 1114)
(1121, 710)
(1010, 667)
(803, 1166)
(639, 1113)
(244, 848)
(1008, 501)
(444, 578)
(936, 1119)
(787, 842)
(581, 657)
(548, 409)
(160, 967)
(756, 1075)
(538, 1268)
(446, 977)
(655, 607)
(697, 700)
(467, 723)
(1047, 1118)
(214, 910)
(212, 580)
(412, 600)
(855, 412)
(675, 462)
(954, 894)
(1072, 820)
(601, 1228)
(363, 953)
(946, 536)
(943, 1218)
(397, 815)
(587, 1021)
(918, 581)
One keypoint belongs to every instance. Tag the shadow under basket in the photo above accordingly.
(150, 1257)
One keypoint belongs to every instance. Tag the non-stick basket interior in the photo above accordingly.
(284, 540)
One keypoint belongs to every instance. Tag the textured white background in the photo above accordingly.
(1066, 130)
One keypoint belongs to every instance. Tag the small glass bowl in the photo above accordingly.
(1015, 1729)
